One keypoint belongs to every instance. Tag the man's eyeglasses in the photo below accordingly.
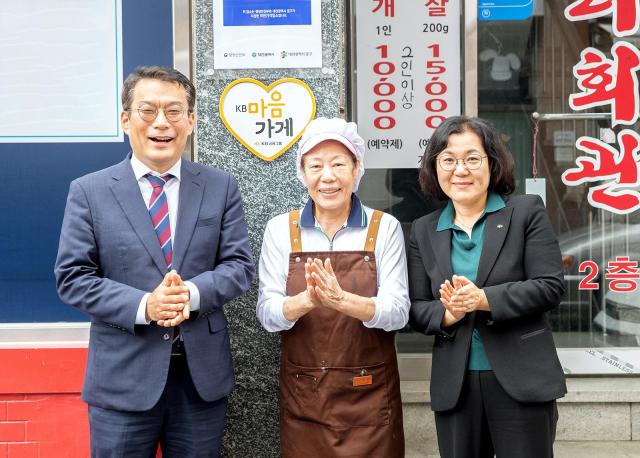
(149, 114)
(471, 162)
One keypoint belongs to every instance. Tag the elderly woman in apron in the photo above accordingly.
(333, 281)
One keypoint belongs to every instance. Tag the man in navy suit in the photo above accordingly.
(152, 249)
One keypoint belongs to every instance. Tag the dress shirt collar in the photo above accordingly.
(494, 203)
(140, 170)
(357, 216)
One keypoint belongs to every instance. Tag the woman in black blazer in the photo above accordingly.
(483, 272)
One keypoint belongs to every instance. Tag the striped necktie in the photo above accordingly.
(159, 211)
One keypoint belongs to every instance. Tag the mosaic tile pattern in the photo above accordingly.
(268, 188)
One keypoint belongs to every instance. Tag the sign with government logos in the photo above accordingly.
(267, 120)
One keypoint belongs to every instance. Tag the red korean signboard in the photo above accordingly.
(613, 83)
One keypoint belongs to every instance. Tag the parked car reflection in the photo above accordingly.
(601, 242)
(622, 313)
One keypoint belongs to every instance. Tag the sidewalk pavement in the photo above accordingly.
(563, 449)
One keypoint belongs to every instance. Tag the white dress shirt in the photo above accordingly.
(392, 302)
(172, 192)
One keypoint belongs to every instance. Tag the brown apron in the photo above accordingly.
(339, 383)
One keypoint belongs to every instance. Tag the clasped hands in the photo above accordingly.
(459, 297)
(322, 285)
(168, 305)
(323, 290)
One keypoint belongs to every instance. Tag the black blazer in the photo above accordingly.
(521, 273)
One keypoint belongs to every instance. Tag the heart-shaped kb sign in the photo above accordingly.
(267, 120)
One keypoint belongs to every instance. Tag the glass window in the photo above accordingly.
(526, 66)
(547, 46)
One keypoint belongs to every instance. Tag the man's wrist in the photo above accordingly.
(142, 314)
(193, 296)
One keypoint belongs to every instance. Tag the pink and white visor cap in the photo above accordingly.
(322, 129)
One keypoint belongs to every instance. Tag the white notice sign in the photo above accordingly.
(266, 34)
(408, 76)
(61, 71)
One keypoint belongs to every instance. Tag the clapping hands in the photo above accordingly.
(324, 290)
(459, 297)
(322, 284)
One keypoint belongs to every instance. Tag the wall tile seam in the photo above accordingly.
(20, 442)
(14, 433)
(25, 402)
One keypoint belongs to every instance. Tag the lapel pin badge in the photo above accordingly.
(499, 226)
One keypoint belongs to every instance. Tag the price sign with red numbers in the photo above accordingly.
(407, 77)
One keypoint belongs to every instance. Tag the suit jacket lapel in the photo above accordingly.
(191, 192)
(126, 190)
(441, 245)
(495, 231)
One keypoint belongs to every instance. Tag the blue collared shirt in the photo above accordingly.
(465, 257)
(357, 216)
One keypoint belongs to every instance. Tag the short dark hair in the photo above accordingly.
(155, 72)
(501, 164)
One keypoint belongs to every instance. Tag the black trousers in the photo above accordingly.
(182, 423)
(488, 421)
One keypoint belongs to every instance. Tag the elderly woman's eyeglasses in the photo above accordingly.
(471, 162)
(149, 113)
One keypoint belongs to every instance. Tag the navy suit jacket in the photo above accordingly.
(521, 272)
(109, 257)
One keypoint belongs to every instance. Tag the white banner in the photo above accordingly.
(408, 76)
(60, 71)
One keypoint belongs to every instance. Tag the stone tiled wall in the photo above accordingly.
(268, 188)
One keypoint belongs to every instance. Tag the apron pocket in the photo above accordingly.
(338, 397)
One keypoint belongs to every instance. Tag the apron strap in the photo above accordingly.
(294, 231)
(372, 234)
